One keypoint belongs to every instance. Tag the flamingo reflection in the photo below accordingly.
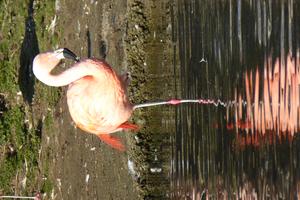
(272, 101)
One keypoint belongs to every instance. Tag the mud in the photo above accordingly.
(80, 166)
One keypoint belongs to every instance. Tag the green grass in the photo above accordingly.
(12, 26)
(19, 138)
(47, 186)
(22, 146)
(7, 172)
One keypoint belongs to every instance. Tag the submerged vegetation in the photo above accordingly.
(24, 29)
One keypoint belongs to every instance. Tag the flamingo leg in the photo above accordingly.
(112, 141)
(129, 126)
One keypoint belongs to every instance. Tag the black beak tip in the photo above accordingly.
(69, 54)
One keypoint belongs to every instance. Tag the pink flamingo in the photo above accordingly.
(96, 95)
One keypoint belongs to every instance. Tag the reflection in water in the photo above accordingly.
(275, 107)
(250, 148)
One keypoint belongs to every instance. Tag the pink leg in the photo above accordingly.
(112, 141)
(129, 126)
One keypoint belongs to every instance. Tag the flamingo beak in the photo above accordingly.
(70, 55)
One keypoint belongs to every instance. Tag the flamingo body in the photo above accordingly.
(98, 103)
(96, 95)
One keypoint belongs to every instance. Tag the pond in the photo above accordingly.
(244, 55)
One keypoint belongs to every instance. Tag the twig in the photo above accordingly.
(36, 197)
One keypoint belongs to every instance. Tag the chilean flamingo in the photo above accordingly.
(96, 95)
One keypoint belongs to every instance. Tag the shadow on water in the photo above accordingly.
(245, 53)
(29, 50)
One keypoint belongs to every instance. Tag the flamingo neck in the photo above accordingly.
(42, 71)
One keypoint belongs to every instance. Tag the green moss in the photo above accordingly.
(8, 170)
(48, 122)
(44, 15)
(24, 145)
(7, 77)
(12, 27)
(47, 186)
(47, 95)
(19, 138)
(12, 127)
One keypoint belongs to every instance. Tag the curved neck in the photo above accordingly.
(43, 72)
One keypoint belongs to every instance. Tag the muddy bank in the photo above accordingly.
(149, 53)
(82, 167)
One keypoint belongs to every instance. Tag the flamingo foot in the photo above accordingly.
(112, 141)
(129, 126)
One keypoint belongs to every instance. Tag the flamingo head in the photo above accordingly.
(44, 63)
(50, 59)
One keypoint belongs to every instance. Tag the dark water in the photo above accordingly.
(231, 50)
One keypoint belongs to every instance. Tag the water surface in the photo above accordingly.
(246, 54)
